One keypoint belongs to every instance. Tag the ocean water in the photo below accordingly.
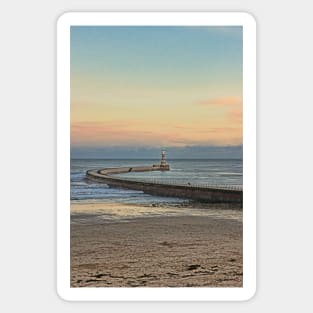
(200, 172)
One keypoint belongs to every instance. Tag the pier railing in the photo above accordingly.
(177, 183)
(171, 183)
(202, 192)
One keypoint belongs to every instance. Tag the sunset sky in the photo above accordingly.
(156, 86)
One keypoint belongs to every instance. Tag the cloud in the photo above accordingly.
(111, 133)
(230, 107)
(121, 132)
(223, 101)
(235, 116)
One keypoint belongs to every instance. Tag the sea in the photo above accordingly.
(112, 204)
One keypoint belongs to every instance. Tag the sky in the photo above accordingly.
(157, 86)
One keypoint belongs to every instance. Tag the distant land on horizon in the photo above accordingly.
(188, 152)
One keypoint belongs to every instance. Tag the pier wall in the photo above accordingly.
(205, 194)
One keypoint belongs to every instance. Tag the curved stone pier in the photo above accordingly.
(212, 194)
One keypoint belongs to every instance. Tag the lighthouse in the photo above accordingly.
(163, 164)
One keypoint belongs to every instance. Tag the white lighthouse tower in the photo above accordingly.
(164, 165)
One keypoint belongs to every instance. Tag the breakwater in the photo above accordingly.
(213, 194)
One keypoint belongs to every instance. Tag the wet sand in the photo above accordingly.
(172, 251)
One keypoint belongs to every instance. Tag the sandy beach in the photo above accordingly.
(200, 250)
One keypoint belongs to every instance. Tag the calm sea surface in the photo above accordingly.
(215, 172)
